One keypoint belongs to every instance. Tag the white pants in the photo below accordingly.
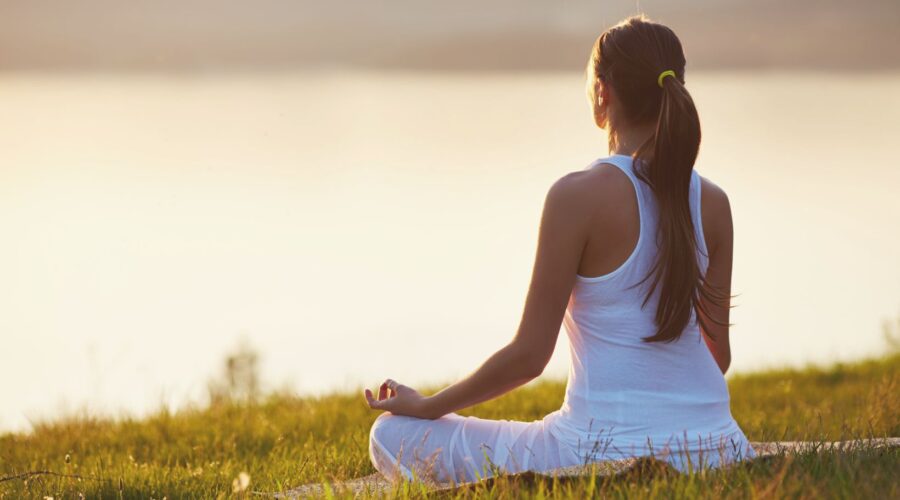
(457, 449)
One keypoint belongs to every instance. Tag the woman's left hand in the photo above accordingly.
(400, 400)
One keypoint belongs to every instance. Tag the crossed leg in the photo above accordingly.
(457, 449)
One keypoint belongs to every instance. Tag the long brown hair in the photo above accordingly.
(631, 57)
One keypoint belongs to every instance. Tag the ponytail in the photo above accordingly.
(668, 161)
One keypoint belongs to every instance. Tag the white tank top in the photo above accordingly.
(626, 397)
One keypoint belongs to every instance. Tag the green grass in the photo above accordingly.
(285, 441)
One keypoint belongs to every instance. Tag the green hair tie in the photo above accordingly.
(662, 75)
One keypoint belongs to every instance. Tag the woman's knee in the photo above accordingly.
(383, 457)
(380, 427)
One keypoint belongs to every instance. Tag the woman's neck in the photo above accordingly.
(627, 140)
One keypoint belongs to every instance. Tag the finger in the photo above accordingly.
(392, 385)
(370, 399)
(383, 391)
(376, 404)
(383, 405)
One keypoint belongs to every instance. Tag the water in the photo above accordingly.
(354, 226)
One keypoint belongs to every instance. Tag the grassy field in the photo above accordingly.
(283, 441)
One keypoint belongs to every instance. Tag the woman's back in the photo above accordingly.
(621, 389)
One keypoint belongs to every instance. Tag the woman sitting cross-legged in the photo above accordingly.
(634, 259)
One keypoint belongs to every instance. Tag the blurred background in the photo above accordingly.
(353, 189)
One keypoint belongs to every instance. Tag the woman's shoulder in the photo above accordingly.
(594, 186)
(713, 198)
(584, 199)
(715, 210)
(712, 193)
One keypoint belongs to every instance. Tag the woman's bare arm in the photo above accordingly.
(718, 230)
(561, 240)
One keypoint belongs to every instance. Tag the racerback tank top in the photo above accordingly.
(625, 397)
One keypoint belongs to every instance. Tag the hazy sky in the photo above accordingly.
(464, 34)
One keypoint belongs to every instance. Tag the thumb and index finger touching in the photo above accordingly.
(386, 392)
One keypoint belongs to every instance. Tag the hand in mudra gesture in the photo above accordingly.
(400, 400)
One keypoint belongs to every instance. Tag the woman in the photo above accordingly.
(639, 273)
